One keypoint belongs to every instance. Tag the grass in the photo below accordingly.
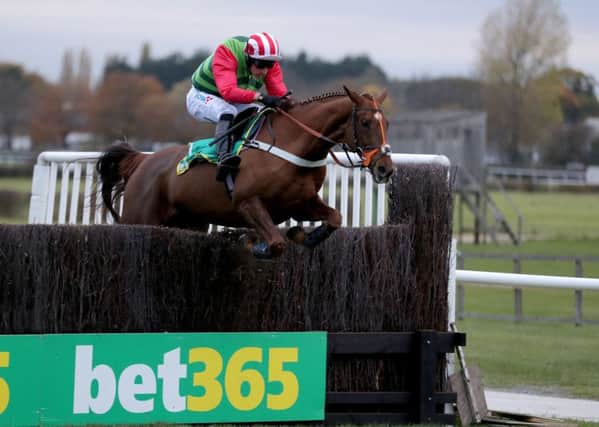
(549, 303)
(22, 184)
(20, 218)
(564, 215)
(10, 214)
(556, 358)
(548, 358)
(583, 248)
(550, 215)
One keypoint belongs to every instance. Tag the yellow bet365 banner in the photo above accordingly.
(153, 377)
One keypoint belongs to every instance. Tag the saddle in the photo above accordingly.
(204, 150)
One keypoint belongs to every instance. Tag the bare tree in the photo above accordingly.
(49, 123)
(67, 72)
(15, 100)
(519, 43)
(84, 75)
(62, 108)
(155, 114)
(74, 90)
(116, 104)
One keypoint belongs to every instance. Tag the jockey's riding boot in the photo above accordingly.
(228, 163)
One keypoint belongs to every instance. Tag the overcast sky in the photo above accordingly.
(407, 38)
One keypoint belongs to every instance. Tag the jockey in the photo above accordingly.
(228, 82)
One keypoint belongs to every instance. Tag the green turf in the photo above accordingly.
(560, 358)
(570, 248)
(21, 184)
(556, 358)
(22, 219)
(547, 303)
(549, 214)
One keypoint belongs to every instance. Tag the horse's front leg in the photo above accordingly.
(256, 215)
(315, 210)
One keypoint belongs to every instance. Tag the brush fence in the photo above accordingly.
(381, 292)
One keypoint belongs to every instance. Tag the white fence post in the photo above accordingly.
(39, 194)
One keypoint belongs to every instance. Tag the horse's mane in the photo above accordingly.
(323, 96)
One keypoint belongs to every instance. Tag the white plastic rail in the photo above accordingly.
(52, 203)
(526, 280)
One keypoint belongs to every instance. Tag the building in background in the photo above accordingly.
(459, 135)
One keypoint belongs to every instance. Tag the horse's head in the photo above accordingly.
(366, 134)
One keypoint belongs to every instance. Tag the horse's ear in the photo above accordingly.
(353, 95)
(381, 98)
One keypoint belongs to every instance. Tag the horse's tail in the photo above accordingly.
(115, 166)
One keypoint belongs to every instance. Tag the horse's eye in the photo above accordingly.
(365, 123)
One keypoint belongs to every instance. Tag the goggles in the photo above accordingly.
(262, 63)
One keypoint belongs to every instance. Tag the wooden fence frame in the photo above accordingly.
(423, 404)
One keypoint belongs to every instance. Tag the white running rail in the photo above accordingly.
(63, 189)
(526, 280)
(514, 280)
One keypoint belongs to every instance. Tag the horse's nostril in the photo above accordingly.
(382, 170)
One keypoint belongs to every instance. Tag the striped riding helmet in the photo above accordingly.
(263, 46)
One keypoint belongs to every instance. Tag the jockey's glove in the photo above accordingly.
(270, 100)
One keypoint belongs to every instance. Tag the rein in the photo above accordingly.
(318, 135)
(307, 128)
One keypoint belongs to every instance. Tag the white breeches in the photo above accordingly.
(206, 107)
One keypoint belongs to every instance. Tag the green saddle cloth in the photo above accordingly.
(202, 151)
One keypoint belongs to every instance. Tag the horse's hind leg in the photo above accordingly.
(315, 210)
(256, 215)
(144, 209)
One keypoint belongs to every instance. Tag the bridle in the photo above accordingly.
(368, 155)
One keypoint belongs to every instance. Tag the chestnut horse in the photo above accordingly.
(277, 180)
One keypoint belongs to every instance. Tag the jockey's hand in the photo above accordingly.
(287, 102)
(270, 100)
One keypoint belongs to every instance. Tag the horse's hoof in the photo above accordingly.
(296, 234)
(261, 250)
(248, 240)
(316, 236)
